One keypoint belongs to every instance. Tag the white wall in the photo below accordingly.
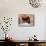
(12, 8)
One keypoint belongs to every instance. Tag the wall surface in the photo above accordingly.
(12, 8)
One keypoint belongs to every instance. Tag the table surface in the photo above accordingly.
(2, 40)
(39, 41)
(42, 41)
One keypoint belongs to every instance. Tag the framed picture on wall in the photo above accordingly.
(26, 20)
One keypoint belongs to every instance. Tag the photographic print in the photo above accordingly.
(35, 3)
(26, 20)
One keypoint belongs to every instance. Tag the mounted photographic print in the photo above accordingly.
(36, 3)
(26, 20)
